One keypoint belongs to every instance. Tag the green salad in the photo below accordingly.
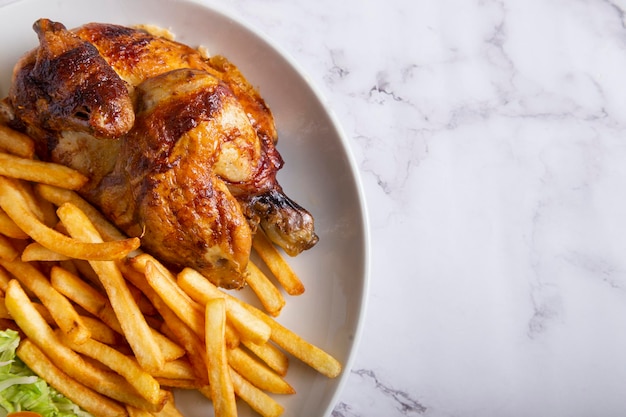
(22, 390)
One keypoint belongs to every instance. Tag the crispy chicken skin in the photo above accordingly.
(186, 120)
(181, 151)
(81, 91)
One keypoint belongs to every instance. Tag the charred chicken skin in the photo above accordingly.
(179, 148)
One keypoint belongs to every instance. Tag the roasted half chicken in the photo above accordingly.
(179, 148)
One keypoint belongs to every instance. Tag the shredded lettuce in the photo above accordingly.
(22, 390)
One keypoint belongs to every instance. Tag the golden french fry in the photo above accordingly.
(100, 331)
(138, 334)
(86, 398)
(144, 304)
(170, 349)
(220, 381)
(277, 264)
(125, 366)
(232, 337)
(84, 295)
(62, 311)
(260, 402)
(308, 353)
(5, 277)
(140, 261)
(45, 209)
(201, 289)
(13, 203)
(39, 332)
(7, 251)
(180, 303)
(40, 172)
(168, 410)
(177, 369)
(9, 228)
(26, 193)
(60, 196)
(184, 334)
(178, 383)
(97, 304)
(137, 412)
(86, 271)
(269, 296)
(16, 143)
(271, 355)
(257, 373)
(37, 252)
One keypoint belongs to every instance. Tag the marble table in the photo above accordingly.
(491, 138)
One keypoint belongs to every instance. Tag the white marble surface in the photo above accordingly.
(491, 140)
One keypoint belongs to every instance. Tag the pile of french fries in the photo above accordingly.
(115, 330)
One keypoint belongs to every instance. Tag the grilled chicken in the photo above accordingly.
(179, 149)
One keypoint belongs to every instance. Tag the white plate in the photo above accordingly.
(319, 173)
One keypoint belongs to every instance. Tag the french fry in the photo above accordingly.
(180, 303)
(177, 369)
(269, 296)
(188, 384)
(220, 381)
(308, 353)
(86, 271)
(5, 277)
(137, 412)
(140, 261)
(146, 308)
(277, 264)
(285, 338)
(85, 296)
(97, 304)
(16, 143)
(14, 204)
(41, 172)
(86, 398)
(39, 332)
(9, 228)
(194, 347)
(258, 374)
(37, 252)
(168, 410)
(62, 311)
(271, 355)
(262, 403)
(100, 331)
(26, 192)
(60, 196)
(7, 251)
(201, 289)
(125, 366)
(134, 325)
